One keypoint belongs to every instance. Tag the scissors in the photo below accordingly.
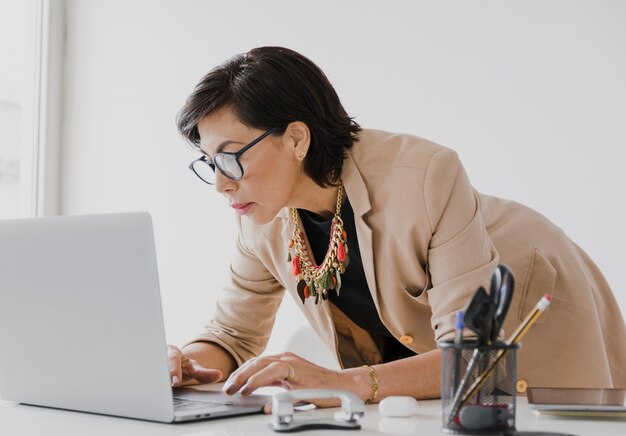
(485, 313)
(501, 296)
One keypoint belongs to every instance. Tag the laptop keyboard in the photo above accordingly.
(187, 404)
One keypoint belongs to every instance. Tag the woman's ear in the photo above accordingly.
(298, 137)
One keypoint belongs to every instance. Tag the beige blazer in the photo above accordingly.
(427, 241)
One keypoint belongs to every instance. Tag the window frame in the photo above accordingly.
(42, 112)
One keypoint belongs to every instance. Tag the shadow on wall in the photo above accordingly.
(305, 343)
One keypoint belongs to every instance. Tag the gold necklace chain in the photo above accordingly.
(314, 280)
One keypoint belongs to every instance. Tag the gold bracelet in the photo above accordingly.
(374, 378)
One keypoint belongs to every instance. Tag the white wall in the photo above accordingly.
(530, 93)
(15, 27)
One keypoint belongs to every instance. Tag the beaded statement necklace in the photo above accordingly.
(314, 280)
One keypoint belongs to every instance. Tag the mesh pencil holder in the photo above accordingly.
(478, 387)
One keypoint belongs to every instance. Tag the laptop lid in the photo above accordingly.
(81, 324)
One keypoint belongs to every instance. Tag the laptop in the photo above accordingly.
(578, 401)
(81, 324)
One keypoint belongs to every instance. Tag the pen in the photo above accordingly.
(458, 342)
(458, 328)
(469, 371)
(515, 338)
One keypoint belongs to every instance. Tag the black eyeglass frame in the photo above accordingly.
(211, 162)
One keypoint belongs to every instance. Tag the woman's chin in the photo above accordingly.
(260, 217)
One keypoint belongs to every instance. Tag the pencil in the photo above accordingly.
(530, 319)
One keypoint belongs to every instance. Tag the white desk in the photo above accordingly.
(20, 420)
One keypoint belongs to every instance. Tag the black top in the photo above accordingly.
(355, 299)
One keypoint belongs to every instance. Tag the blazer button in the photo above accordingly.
(521, 386)
(406, 339)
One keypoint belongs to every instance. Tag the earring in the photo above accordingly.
(302, 156)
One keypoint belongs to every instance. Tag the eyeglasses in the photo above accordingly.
(227, 163)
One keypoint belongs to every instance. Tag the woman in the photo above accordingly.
(401, 238)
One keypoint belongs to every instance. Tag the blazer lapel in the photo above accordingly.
(357, 193)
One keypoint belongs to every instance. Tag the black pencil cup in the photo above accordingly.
(478, 387)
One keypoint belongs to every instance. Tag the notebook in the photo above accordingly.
(81, 324)
(578, 401)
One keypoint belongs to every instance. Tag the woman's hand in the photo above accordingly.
(187, 371)
(289, 371)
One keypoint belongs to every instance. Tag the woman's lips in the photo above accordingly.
(242, 208)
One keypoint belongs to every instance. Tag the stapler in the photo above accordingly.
(283, 420)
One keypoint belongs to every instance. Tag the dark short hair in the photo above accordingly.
(270, 87)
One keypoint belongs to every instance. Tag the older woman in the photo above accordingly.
(380, 238)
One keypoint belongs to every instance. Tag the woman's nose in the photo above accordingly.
(223, 184)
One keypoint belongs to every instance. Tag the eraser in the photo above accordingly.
(398, 407)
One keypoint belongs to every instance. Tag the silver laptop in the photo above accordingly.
(81, 325)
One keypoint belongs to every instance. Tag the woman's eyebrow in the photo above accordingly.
(225, 143)
(220, 147)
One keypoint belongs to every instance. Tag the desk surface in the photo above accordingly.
(20, 420)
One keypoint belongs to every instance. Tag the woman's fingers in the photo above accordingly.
(184, 370)
(288, 371)
(262, 371)
(285, 370)
(202, 374)
(174, 356)
(275, 372)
